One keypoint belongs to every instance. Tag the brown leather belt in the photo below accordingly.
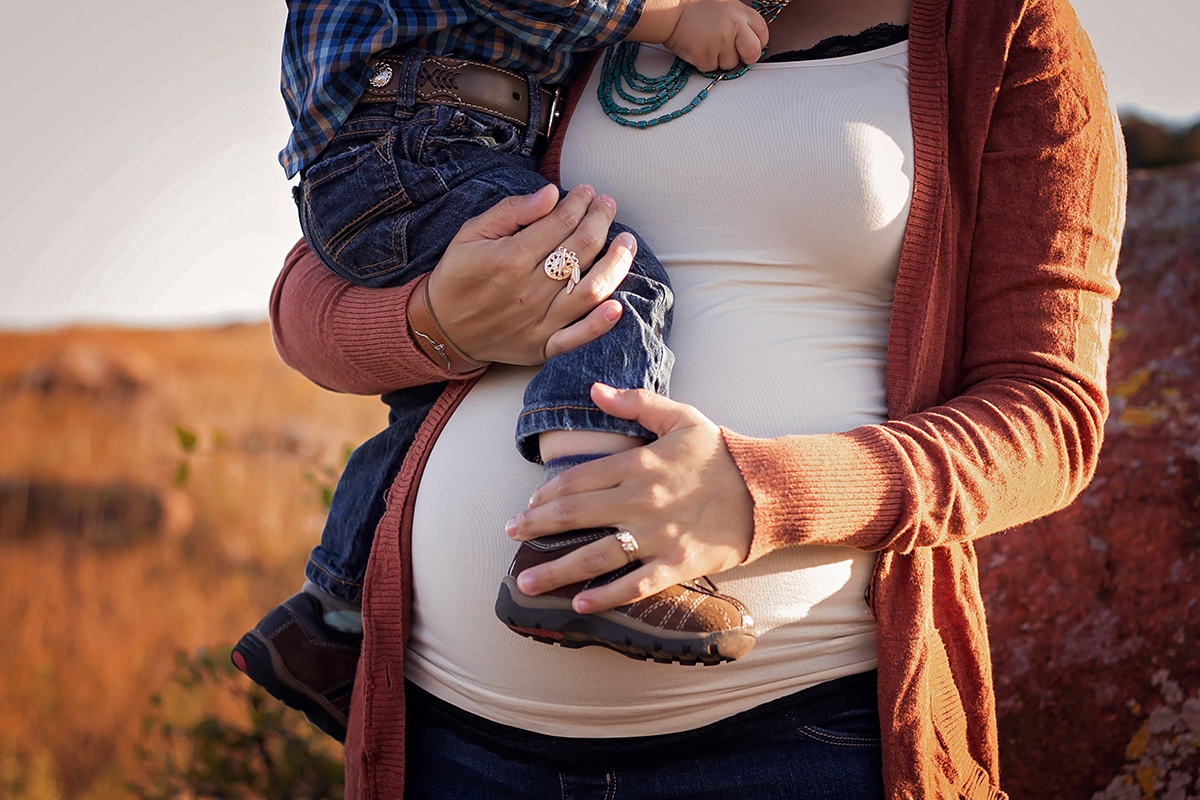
(465, 84)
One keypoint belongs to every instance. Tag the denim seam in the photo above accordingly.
(362, 129)
(334, 173)
(335, 577)
(366, 215)
(423, 147)
(559, 408)
(399, 232)
(839, 739)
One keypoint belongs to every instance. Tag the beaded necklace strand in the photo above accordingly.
(619, 72)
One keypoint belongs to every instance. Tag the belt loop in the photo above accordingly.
(406, 89)
(535, 112)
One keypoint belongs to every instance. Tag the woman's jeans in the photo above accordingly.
(379, 208)
(841, 760)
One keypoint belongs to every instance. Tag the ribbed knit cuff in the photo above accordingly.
(835, 489)
(373, 330)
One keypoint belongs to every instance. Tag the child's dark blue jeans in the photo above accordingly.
(379, 208)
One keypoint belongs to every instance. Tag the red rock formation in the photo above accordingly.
(1094, 612)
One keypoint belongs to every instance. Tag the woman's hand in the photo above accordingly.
(494, 300)
(681, 496)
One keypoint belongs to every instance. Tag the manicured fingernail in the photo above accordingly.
(587, 188)
(510, 528)
(612, 314)
(608, 201)
(625, 240)
(526, 584)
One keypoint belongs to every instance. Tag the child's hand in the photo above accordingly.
(717, 34)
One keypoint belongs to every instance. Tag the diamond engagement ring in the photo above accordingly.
(563, 264)
(629, 545)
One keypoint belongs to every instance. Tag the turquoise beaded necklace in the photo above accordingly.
(652, 93)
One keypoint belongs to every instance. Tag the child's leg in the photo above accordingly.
(560, 426)
(336, 567)
(632, 355)
(379, 209)
(305, 651)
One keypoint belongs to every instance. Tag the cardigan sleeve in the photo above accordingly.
(344, 337)
(1020, 428)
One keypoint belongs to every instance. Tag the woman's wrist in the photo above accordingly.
(431, 339)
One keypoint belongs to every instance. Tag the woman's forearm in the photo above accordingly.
(1007, 452)
(345, 337)
(493, 299)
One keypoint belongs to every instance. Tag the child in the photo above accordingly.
(408, 121)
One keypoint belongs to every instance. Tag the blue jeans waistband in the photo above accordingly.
(813, 706)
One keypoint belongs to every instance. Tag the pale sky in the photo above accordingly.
(140, 181)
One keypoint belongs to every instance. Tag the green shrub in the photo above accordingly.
(216, 736)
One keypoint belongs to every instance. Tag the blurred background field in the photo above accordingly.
(159, 491)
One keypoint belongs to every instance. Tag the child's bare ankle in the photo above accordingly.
(557, 444)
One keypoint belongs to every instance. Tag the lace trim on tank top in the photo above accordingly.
(885, 34)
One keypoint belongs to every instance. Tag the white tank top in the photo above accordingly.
(778, 208)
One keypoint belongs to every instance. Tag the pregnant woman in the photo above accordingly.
(892, 245)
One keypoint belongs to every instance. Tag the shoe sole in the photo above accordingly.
(258, 659)
(552, 620)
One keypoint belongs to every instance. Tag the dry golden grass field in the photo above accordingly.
(122, 541)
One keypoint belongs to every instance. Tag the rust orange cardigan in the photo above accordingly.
(995, 385)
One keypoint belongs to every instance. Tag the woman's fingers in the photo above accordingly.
(682, 497)
(589, 236)
(589, 298)
(599, 321)
(577, 497)
(584, 244)
(604, 276)
(580, 207)
(579, 565)
(653, 412)
(491, 294)
(647, 580)
(510, 215)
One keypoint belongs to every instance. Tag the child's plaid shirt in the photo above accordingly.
(328, 45)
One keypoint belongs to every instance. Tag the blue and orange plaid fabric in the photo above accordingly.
(328, 45)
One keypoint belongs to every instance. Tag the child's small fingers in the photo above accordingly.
(749, 45)
(760, 28)
(728, 59)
